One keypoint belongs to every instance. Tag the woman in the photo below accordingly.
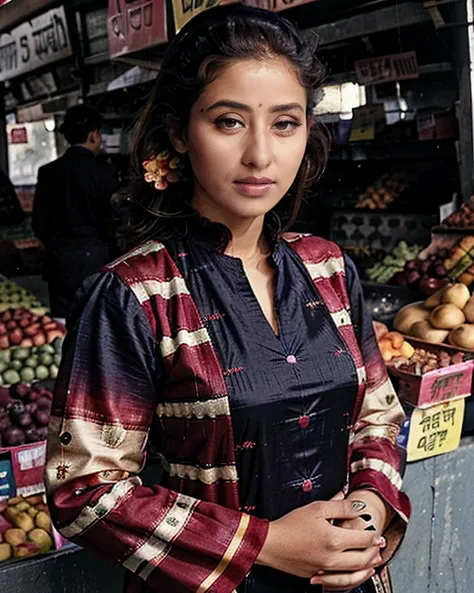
(238, 358)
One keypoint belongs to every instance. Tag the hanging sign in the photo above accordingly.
(36, 43)
(435, 430)
(387, 68)
(19, 136)
(367, 122)
(184, 10)
(133, 25)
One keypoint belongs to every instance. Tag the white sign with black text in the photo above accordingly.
(35, 43)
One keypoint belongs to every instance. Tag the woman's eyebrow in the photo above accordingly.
(243, 107)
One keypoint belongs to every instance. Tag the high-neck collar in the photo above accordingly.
(216, 236)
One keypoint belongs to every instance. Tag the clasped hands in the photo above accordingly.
(336, 544)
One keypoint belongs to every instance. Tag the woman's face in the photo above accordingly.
(246, 139)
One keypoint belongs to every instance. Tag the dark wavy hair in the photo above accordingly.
(208, 43)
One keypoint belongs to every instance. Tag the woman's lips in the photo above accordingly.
(254, 187)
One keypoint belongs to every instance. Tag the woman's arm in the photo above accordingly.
(375, 462)
(104, 404)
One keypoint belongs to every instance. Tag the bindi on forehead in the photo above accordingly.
(259, 105)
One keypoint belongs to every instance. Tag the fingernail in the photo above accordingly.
(358, 506)
(320, 572)
(381, 542)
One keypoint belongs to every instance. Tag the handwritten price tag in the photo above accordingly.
(435, 430)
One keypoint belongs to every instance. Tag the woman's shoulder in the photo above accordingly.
(311, 248)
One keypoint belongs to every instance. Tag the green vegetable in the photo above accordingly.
(11, 377)
(57, 359)
(32, 361)
(20, 353)
(16, 365)
(58, 344)
(46, 359)
(48, 349)
(5, 355)
(53, 371)
(27, 375)
(42, 372)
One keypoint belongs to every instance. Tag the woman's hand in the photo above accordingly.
(376, 516)
(305, 543)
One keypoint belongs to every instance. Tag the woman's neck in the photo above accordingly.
(247, 239)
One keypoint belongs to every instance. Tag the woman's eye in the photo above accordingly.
(287, 125)
(229, 123)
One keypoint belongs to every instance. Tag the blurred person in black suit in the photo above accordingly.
(71, 212)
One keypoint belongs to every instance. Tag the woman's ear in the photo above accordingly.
(176, 135)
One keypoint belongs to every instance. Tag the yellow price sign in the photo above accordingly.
(435, 430)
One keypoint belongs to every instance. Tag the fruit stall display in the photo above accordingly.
(25, 412)
(446, 316)
(37, 363)
(462, 218)
(13, 296)
(22, 327)
(385, 190)
(25, 528)
(393, 263)
(449, 258)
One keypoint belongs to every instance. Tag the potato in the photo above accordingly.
(5, 552)
(11, 513)
(24, 521)
(463, 337)
(23, 506)
(43, 520)
(409, 315)
(42, 538)
(469, 310)
(457, 294)
(447, 317)
(15, 501)
(424, 331)
(15, 537)
(435, 299)
(32, 512)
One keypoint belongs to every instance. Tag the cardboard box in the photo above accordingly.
(441, 385)
(25, 476)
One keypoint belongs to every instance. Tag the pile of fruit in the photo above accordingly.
(13, 296)
(439, 267)
(21, 327)
(384, 191)
(393, 263)
(392, 344)
(448, 314)
(25, 528)
(463, 218)
(25, 412)
(423, 361)
(37, 363)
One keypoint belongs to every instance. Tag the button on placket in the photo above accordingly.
(303, 421)
(291, 359)
(307, 486)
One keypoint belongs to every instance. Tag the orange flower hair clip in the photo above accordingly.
(162, 170)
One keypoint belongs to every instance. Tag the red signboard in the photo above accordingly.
(19, 136)
(387, 68)
(135, 24)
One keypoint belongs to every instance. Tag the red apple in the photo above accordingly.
(39, 339)
(3, 329)
(26, 343)
(6, 316)
(16, 337)
(53, 334)
(24, 322)
(33, 329)
(46, 319)
(10, 325)
(4, 342)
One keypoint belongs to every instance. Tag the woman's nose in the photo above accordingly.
(257, 151)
